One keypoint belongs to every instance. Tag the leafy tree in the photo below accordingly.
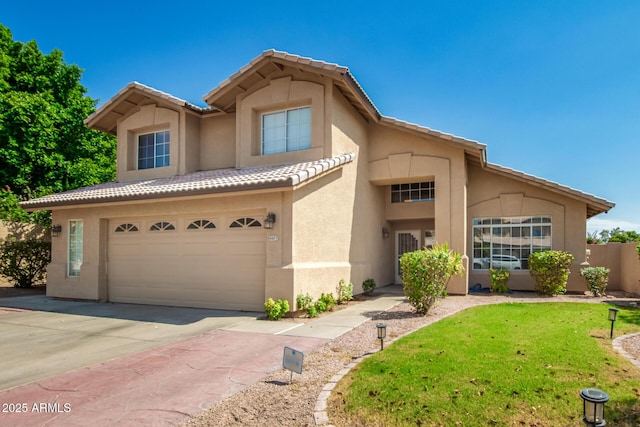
(613, 235)
(44, 145)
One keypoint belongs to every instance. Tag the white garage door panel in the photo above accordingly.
(221, 268)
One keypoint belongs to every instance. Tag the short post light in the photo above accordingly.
(593, 406)
(613, 316)
(382, 334)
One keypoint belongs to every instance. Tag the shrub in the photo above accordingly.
(276, 309)
(328, 300)
(638, 249)
(499, 280)
(550, 270)
(303, 302)
(368, 286)
(345, 292)
(24, 262)
(426, 273)
(320, 306)
(597, 279)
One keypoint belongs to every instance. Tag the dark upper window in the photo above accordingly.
(201, 224)
(245, 223)
(162, 226)
(153, 150)
(413, 192)
(126, 228)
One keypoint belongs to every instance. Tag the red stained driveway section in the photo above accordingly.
(160, 386)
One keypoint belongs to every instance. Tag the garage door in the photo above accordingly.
(210, 262)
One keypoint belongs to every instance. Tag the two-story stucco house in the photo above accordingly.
(289, 181)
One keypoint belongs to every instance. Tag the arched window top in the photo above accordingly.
(126, 228)
(201, 224)
(245, 223)
(162, 226)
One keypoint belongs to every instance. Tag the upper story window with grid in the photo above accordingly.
(413, 192)
(153, 150)
(288, 130)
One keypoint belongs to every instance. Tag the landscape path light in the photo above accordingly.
(593, 406)
(382, 333)
(613, 316)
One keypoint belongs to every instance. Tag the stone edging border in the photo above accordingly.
(320, 411)
(617, 345)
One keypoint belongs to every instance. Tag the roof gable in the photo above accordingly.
(595, 205)
(131, 97)
(270, 62)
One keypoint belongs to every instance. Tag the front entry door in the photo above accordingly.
(406, 241)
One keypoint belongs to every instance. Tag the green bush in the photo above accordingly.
(320, 306)
(345, 292)
(303, 302)
(550, 270)
(426, 273)
(368, 286)
(638, 249)
(328, 300)
(499, 280)
(25, 262)
(597, 279)
(276, 309)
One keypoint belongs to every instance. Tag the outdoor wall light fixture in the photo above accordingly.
(382, 334)
(593, 406)
(269, 220)
(385, 233)
(56, 230)
(613, 316)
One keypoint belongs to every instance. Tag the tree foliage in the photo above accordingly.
(613, 235)
(44, 145)
(24, 263)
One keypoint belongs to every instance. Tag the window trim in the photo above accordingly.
(155, 147)
(286, 126)
(428, 187)
(70, 240)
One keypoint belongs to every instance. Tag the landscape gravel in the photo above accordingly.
(276, 402)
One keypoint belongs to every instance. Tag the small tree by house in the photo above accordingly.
(426, 273)
(550, 270)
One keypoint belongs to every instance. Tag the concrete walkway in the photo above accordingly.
(71, 363)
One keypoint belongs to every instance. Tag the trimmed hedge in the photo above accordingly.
(550, 270)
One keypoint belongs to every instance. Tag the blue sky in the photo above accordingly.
(552, 87)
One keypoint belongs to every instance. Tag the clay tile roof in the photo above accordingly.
(202, 182)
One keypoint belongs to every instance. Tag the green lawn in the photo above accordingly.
(507, 364)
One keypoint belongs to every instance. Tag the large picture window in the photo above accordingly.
(288, 130)
(507, 242)
(153, 150)
(74, 248)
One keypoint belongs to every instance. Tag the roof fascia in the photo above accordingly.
(135, 87)
(477, 149)
(598, 205)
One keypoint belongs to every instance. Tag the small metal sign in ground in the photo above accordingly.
(292, 360)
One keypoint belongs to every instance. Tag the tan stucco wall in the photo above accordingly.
(218, 142)
(623, 262)
(493, 195)
(92, 283)
(279, 94)
(402, 157)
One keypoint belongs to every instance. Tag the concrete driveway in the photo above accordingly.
(69, 363)
(81, 363)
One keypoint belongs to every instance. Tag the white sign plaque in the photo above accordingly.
(292, 360)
